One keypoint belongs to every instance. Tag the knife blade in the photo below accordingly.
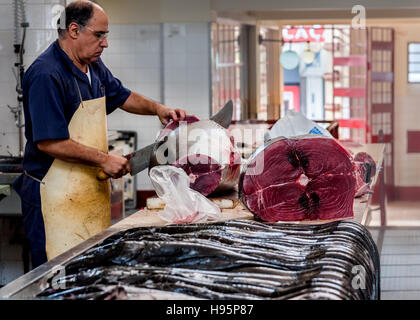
(224, 116)
(139, 160)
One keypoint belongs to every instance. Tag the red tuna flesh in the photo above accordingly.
(302, 178)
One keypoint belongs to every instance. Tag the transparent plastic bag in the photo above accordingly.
(182, 204)
(295, 124)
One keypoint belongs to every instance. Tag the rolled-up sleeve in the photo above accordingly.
(46, 108)
(116, 93)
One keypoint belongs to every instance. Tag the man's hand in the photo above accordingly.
(138, 104)
(115, 166)
(165, 114)
(72, 151)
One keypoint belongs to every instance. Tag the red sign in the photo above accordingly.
(291, 98)
(303, 34)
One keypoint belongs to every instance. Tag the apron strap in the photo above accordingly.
(80, 94)
(78, 90)
(32, 177)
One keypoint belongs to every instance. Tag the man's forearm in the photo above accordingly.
(72, 151)
(138, 104)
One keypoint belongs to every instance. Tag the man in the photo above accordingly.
(67, 93)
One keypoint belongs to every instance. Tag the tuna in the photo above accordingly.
(309, 177)
(204, 150)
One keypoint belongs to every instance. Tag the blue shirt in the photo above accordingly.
(51, 97)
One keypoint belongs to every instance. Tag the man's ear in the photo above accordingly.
(74, 30)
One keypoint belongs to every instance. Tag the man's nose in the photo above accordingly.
(104, 43)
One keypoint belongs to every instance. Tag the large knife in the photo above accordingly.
(224, 116)
(140, 159)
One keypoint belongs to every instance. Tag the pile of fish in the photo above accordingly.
(236, 259)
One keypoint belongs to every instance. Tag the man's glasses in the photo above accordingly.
(101, 35)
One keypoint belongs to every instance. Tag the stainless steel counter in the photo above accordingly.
(33, 282)
(10, 205)
(8, 178)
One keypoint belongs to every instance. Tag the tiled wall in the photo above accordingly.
(134, 57)
(40, 15)
(168, 63)
(39, 35)
(165, 62)
(187, 65)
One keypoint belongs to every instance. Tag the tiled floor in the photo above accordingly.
(399, 247)
(11, 265)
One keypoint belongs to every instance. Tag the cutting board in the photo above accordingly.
(226, 200)
(235, 210)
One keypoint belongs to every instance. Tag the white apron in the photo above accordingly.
(75, 204)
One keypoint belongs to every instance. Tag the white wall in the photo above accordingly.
(40, 34)
(187, 67)
(157, 11)
(168, 63)
(174, 64)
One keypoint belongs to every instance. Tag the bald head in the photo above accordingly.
(84, 35)
(80, 12)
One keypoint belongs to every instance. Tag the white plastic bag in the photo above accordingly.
(295, 124)
(182, 204)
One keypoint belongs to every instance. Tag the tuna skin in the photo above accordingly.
(211, 172)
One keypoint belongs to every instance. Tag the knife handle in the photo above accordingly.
(101, 175)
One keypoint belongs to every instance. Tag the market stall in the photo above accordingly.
(32, 284)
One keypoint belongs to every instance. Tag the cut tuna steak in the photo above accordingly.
(210, 158)
(307, 177)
